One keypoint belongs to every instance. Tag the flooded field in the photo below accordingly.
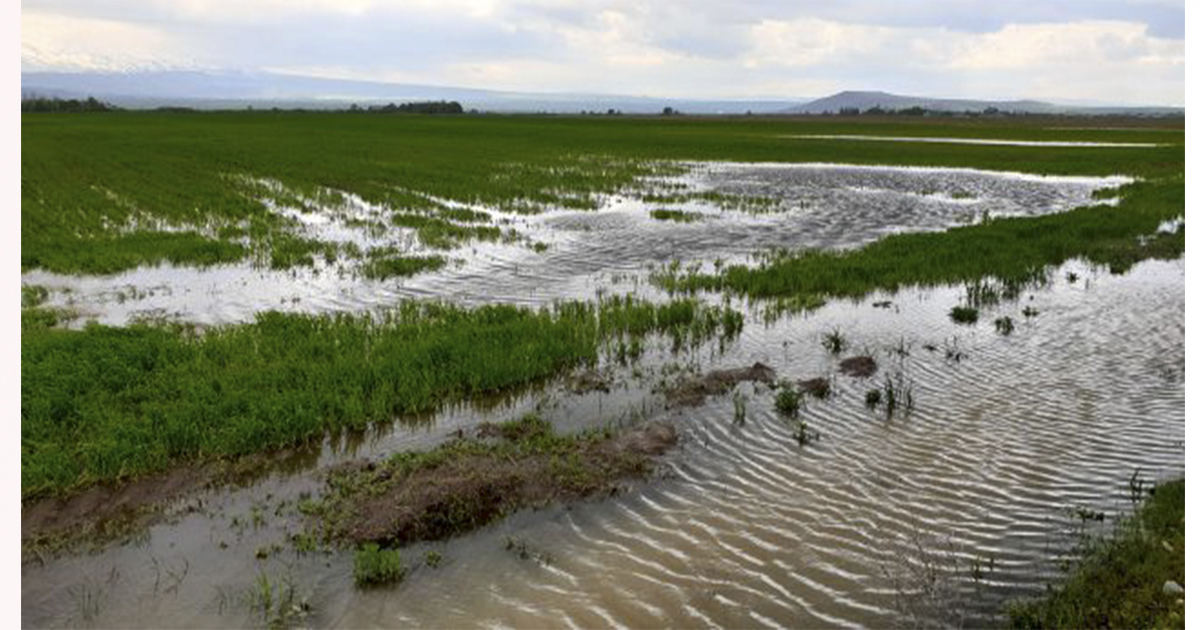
(936, 514)
(822, 206)
(715, 416)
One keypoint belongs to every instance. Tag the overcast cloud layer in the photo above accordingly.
(1110, 51)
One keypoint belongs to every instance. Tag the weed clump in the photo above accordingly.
(874, 397)
(374, 566)
(1004, 325)
(834, 341)
(787, 401)
(897, 395)
(964, 315)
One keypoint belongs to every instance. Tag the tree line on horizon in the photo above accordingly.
(56, 105)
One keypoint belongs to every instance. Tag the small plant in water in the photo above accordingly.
(834, 341)
(964, 315)
(1072, 277)
(433, 559)
(1029, 311)
(874, 397)
(373, 565)
(1004, 325)
(953, 353)
(802, 434)
(278, 603)
(739, 408)
(787, 401)
(524, 551)
(897, 395)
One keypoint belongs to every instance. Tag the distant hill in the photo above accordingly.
(227, 89)
(865, 100)
(233, 89)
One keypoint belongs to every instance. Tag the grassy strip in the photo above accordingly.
(470, 482)
(1014, 250)
(678, 216)
(107, 403)
(1118, 582)
(384, 267)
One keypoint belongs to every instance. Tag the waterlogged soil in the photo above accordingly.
(692, 392)
(392, 505)
(572, 254)
(937, 515)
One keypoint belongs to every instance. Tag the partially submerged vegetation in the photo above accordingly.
(678, 216)
(1013, 250)
(82, 211)
(1132, 579)
(385, 266)
(107, 403)
(374, 566)
(472, 481)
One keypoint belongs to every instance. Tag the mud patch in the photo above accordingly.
(818, 387)
(470, 482)
(859, 367)
(692, 393)
(106, 512)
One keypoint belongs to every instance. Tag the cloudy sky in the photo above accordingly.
(1108, 51)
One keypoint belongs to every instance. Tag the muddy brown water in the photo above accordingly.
(740, 526)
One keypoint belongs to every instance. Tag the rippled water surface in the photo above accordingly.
(819, 205)
(742, 526)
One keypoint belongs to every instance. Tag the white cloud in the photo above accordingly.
(667, 48)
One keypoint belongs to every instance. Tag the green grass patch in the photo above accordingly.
(964, 315)
(384, 267)
(677, 216)
(374, 566)
(1118, 581)
(99, 192)
(787, 401)
(1013, 250)
(106, 403)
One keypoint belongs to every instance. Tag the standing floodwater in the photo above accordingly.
(822, 206)
(938, 515)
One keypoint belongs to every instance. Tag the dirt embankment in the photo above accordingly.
(104, 512)
(470, 482)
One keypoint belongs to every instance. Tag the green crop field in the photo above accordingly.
(106, 192)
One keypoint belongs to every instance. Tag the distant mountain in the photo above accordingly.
(865, 100)
(204, 89)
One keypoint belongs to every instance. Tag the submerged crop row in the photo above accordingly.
(106, 403)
